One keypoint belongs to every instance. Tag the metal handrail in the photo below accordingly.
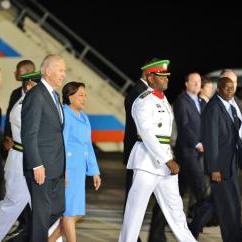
(42, 20)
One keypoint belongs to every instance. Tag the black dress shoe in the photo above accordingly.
(20, 234)
(13, 235)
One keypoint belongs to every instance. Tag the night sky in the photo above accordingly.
(196, 37)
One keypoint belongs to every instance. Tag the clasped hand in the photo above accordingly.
(173, 166)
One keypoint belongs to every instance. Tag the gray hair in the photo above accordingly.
(226, 71)
(48, 62)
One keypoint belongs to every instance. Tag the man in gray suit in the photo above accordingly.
(44, 154)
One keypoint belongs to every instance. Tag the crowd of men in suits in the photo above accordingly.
(207, 148)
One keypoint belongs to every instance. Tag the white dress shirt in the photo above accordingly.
(233, 102)
(50, 90)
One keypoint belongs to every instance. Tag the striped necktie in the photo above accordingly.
(57, 103)
(237, 121)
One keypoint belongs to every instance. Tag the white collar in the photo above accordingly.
(192, 96)
(225, 103)
(47, 85)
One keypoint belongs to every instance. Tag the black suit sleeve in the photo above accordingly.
(130, 129)
(210, 138)
(130, 135)
(0, 116)
(31, 119)
(187, 134)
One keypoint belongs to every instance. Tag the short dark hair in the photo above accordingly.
(205, 80)
(69, 89)
(23, 63)
(222, 81)
(186, 79)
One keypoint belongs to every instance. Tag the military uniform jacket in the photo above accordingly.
(14, 160)
(153, 117)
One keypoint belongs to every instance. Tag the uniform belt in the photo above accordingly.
(161, 139)
(17, 146)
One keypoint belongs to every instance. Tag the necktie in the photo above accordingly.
(237, 121)
(57, 103)
(197, 103)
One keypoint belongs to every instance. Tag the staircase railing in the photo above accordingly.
(73, 43)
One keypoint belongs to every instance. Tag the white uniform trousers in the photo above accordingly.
(16, 198)
(167, 194)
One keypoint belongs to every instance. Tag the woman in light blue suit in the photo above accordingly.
(80, 157)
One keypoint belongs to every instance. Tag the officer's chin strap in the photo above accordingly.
(160, 94)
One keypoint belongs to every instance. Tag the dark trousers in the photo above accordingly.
(48, 204)
(204, 213)
(192, 176)
(157, 225)
(128, 184)
(227, 204)
(158, 221)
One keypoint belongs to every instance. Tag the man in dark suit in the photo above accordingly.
(220, 126)
(158, 222)
(189, 148)
(44, 154)
(130, 128)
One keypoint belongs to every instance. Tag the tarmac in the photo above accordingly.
(103, 220)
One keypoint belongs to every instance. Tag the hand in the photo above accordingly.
(8, 143)
(216, 176)
(173, 166)
(96, 182)
(200, 148)
(39, 175)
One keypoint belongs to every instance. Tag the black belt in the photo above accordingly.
(17, 146)
(161, 139)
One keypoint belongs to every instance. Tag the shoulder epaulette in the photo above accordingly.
(145, 94)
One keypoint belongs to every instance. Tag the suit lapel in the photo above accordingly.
(142, 86)
(229, 119)
(202, 104)
(192, 102)
(50, 101)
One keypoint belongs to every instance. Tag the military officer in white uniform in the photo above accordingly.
(17, 193)
(151, 158)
